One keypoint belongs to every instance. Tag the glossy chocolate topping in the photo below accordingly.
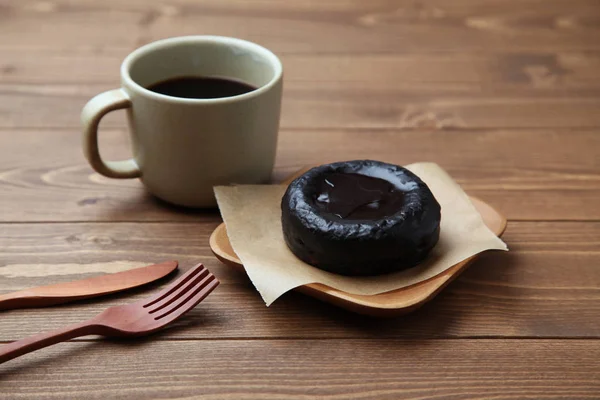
(360, 218)
(357, 197)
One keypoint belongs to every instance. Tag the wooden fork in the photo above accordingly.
(135, 319)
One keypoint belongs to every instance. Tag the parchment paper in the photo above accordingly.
(252, 215)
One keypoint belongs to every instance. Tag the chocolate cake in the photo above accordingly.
(360, 218)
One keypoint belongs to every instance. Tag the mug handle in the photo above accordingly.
(91, 115)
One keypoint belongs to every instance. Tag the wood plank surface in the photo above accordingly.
(549, 73)
(309, 26)
(514, 88)
(548, 285)
(515, 91)
(536, 174)
(298, 369)
(59, 106)
(503, 94)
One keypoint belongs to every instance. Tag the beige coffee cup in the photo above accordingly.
(183, 147)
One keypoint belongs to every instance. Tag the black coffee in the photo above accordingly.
(200, 87)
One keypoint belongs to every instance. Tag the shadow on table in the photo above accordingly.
(468, 307)
(142, 206)
(33, 362)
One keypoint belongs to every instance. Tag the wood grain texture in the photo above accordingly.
(548, 285)
(292, 369)
(59, 106)
(502, 167)
(504, 94)
(440, 90)
(531, 72)
(511, 87)
(308, 26)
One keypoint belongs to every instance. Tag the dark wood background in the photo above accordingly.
(504, 94)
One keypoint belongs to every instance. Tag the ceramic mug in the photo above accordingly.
(182, 147)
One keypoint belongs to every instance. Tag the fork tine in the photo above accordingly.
(174, 311)
(190, 285)
(173, 287)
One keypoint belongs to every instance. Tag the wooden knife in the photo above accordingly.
(60, 293)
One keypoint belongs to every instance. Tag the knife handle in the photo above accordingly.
(29, 299)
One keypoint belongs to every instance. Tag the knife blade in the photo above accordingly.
(43, 296)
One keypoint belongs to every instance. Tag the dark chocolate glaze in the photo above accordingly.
(347, 236)
(356, 196)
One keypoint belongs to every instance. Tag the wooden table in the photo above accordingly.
(504, 94)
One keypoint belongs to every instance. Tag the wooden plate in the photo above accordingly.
(386, 304)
